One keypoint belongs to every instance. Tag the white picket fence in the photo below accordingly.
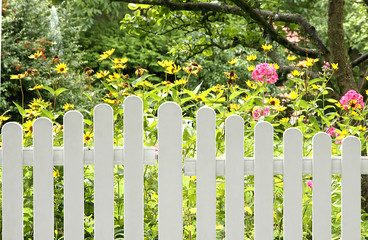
(170, 164)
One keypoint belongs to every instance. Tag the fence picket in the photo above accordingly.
(12, 181)
(133, 168)
(350, 189)
(43, 180)
(293, 188)
(234, 177)
(263, 181)
(104, 172)
(170, 175)
(73, 176)
(206, 174)
(321, 191)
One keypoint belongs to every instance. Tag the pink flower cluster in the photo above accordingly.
(265, 72)
(259, 112)
(310, 184)
(352, 100)
(332, 132)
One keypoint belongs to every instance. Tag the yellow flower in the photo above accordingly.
(88, 137)
(192, 68)
(234, 106)
(193, 178)
(295, 73)
(139, 71)
(273, 101)
(19, 76)
(120, 60)
(285, 120)
(167, 83)
(291, 58)
(114, 77)
(145, 84)
(280, 108)
(106, 54)
(28, 128)
(335, 66)
(275, 65)
(193, 210)
(366, 78)
(38, 104)
(3, 118)
(233, 61)
(251, 68)
(102, 74)
(173, 69)
(266, 47)
(61, 68)
(250, 84)
(199, 98)
(182, 81)
(293, 95)
(111, 101)
(68, 106)
(35, 55)
(315, 87)
(231, 75)
(251, 57)
(363, 129)
(119, 66)
(56, 173)
(31, 113)
(353, 113)
(246, 98)
(165, 63)
(36, 87)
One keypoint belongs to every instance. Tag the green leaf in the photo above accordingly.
(48, 114)
(195, 91)
(49, 89)
(60, 91)
(88, 96)
(234, 95)
(208, 52)
(138, 80)
(20, 109)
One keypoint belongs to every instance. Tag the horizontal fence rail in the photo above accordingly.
(171, 168)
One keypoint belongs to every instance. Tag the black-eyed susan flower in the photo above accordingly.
(87, 137)
(18, 76)
(233, 61)
(250, 84)
(293, 95)
(31, 113)
(61, 68)
(106, 54)
(291, 58)
(4, 118)
(273, 101)
(36, 87)
(139, 71)
(102, 74)
(28, 128)
(114, 77)
(251, 68)
(173, 69)
(36, 55)
(280, 108)
(167, 83)
(251, 57)
(285, 120)
(120, 60)
(165, 63)
(68, 106)
(56, 173)
(234, 106)
(335, 66)
(231, 75)
(181, 81)
(266, 47)
(295, 73)
(275, 65)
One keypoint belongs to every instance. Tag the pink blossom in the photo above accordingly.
(309, 184)
(259, 112)
(352, 100)
(331, 131)
(265, 72)
(338, 141)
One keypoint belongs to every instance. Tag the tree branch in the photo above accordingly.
(244, 10)
(359, 59)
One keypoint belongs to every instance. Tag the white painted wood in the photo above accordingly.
(12, 181)
(263, 181)
(350, 189)
(170, 175)
(43, 180)
(206, 174)
(73, 176)
(293, 184)
(104, 172)
(321, 190)
(133, 168)
(234, 178)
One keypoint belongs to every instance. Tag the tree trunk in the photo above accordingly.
(344, 75)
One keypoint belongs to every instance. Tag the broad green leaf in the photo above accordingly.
(49, 89)
(195, 91)
(20, 109)
(60, 91)
(48, 114)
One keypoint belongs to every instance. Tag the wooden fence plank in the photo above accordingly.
(133, 168)
(73, 176)
(170, 175)
(321, 191)
(234, 177)
(104, 172)
(43, 180)
(12, 181)
(350, 189)
(293, 184)
(263, 181)
(206, 174)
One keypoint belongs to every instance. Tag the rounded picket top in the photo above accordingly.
(42, 123)
(73, 115)
(321, 137)
(103, 109)
(133, 99)
(206, 112)
(234, 119)
(169, 108)
(293, 133)
(263, 126)
(12, 127)
(351, 141)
